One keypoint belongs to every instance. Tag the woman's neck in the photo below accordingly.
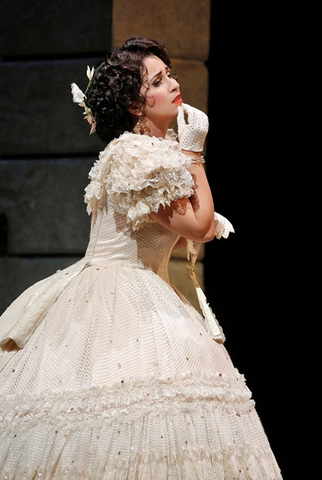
(151, 129)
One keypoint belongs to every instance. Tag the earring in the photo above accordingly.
(139, 125)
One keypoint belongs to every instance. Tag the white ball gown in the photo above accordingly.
(107, 371)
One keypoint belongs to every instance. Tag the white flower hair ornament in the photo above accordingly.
(79, 97)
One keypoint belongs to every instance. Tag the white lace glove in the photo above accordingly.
(223, 227)
(192, 134)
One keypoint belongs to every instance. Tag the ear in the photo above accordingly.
(135, 110)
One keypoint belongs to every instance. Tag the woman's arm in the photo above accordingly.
(193, 217)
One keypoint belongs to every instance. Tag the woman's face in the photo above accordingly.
(162, 92)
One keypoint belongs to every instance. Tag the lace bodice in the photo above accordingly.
(113, 241)
(133, 176)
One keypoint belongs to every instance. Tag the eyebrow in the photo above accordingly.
(167, 69)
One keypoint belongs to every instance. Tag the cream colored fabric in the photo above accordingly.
(23, 316)
(192, 133)
(138, 174)
(116, 376)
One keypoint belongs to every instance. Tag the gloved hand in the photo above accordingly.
(192, 134)
(223, 227)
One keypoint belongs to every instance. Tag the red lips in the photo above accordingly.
(177, 99)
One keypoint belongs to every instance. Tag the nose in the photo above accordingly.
(174, 84)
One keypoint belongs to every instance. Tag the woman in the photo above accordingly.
(108, 371)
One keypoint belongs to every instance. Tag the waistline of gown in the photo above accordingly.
(26, 312)
(106, 262)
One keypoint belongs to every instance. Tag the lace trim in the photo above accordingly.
(223, 227)
(182, 427)
(138, 174)
(108, 401)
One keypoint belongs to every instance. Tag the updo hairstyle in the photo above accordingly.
(116, 84)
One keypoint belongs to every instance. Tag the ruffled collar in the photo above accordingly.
(171, 136)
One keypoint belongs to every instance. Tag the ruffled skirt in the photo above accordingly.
(120, 380)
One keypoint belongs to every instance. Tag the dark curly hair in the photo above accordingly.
(116, 84)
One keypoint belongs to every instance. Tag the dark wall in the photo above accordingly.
(44, 154)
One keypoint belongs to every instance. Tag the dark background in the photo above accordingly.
(258, 280)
